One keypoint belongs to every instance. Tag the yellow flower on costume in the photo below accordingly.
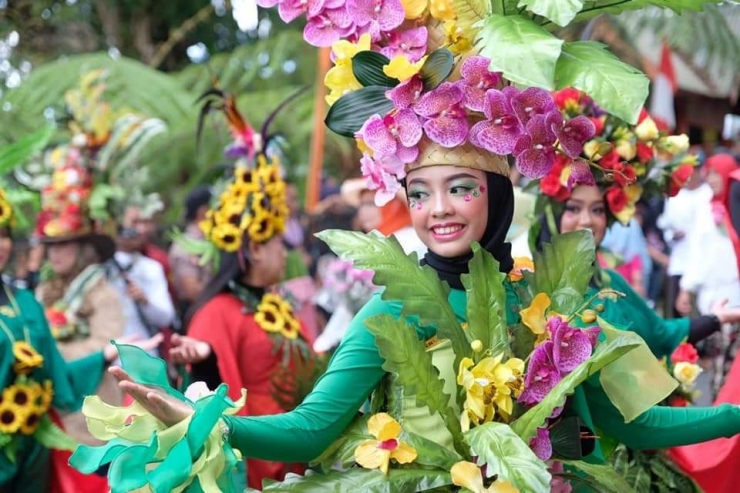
(534, 317)
(340, 79)
(686, 373)
(468, 475)
(6, 210)
(489, 388)
(260, 227)
(227, 237)
(627, 149)
(30, 422)
(521, 264)
(19, 395)
(44, 396)
(275, 315)
(12, 417)
(377, 453)
(440, 9)
(26, 358)
(455, 39)
(633, 192)
(402, 69)
(647, 130)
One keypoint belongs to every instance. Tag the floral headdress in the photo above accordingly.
(627, 161)
(428, 82)
(7, 214)
(252, 203)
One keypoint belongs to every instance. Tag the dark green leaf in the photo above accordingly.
(431, 453)
(437, 67)
(609, 480)
(599, 7)
(486, 299)
(367, 66)
(342, 452)
(350, 112)
(405, 356)
(564, 270)
(522, 50)
(616, 86)
(18, 153)
(419, 289)
(369, 481)
(509, 457)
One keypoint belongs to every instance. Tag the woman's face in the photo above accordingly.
(585, 209)
(63, 257)
(268, 261)
(715, 182)
(449, 207)
(6, 247)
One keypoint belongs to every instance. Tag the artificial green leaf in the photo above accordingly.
(431, 453)
(437, 67)
(508, 456)
(207, 252)
(605, 475)
(100, 197)
(605, 354)
(505, 7)
(616, 86)
(596, 8)
(365, 480)
(561, 12)
(367, 67)
(470, 12)
(341, 453)
(486, 299)
(526, 53)
(349, 113)
(564, 270)
(51, 436)
(18, 153)
(5, 439)
(419, 289)
(406, 357)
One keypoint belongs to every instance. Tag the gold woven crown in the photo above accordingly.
(464, 156)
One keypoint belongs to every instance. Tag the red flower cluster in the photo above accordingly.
(679, 177)
(685, 353)
(552, 185)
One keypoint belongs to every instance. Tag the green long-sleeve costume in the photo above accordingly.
(355, 371)
(72, 381)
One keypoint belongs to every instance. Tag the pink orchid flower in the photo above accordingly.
(541, 444)
(500, 131)
(328, 27)
(290, 10)
(446, 120)
(535, 150)
(530, 102)
(573, 134)
(571, 346)
(395, 134)
(580, 174)
(382, 175)
(407, 93)
(542, 376)
(476, 80)
(383, 15)
(411, 43)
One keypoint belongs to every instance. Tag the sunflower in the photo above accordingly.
(227, 237)
(42, 396)
(230, 213)
(6, 210)
(26, 357)
(269, 317)
(261, 227)
(11, 417)
(30, 422)
(19, 395)
(245, 176)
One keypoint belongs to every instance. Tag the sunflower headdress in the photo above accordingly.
(251, 204)
(463, 82)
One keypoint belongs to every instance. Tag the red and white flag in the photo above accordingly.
(664, 88)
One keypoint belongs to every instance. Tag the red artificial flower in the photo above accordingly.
(644, 153)
(678, 402)
(629, 174)
(598, 123)
(685, 353)
(56, 318)
(679, 177)
(567, 99)
(610, 160)
(552, 187)
(643, 114)
(616, 198)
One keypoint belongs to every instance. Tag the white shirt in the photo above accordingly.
(679, 215)
(148, 275)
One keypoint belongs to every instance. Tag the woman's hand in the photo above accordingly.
(683, 303)
(188, 350)
(165, 408)
(724, 314)
(110, 352)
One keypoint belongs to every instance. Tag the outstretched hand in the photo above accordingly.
(186, 350)
(165, 408)
(724, 314)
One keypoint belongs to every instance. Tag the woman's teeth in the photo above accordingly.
(447, 230)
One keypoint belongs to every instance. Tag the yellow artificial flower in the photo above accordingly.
(534, 317)
(469, 476)
(260, 227)
(686, 373)
(44, 397)
(489, 387)
(455, 38)
(227, 237)
(402, 69)
(268, 317)
(340, 79)
(26, 358)
(633, 192)
(521, 264)
(30, 422)
(647, 130)
(377, 453)
(275, 315)
(596, 149)
(6, 210)
(11, 417)
(362, 147)
(440, 9)
(675, 144)
(627, 149)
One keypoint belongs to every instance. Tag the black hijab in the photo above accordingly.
(500, 215)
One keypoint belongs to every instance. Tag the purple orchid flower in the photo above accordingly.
(267, 4)
(573, 134)
(476, 80)
(534, 150)
(328, 27)
(407, 93)
(541, 444)
(411, 43)
(237, 150)
(580, 174)
(385, 14)
(395, 134)
(290, 10)
(500, 131)
(571, 346)
(446, 119)
(542, 375)
(531, 102)
(382, 174)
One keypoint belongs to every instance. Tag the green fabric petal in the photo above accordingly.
(190, 457)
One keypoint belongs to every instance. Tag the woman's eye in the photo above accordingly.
(460, 189)
(572, 209)
(599, 210)
(417, 195)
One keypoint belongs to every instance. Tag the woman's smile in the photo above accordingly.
(447, 231)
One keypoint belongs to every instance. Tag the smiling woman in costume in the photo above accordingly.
(451, 375)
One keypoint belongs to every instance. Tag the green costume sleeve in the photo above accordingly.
(303, 434)
(632, 313)
(663, 427)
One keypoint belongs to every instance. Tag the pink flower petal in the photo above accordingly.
(541, 375)
(407, 154)
(530, 102)
(447, 131)
(476, 80)
(535, 163)
(580, 174)
(388, 14)
(411, 43)
(541, 445)
(574, 134)
(571, 347)
(493, 137)
(377, 137)
(440, 99)
(409, 128)
(267, 4)
(328, 27)
(290, 10)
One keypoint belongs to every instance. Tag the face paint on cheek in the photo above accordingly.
(468, 198)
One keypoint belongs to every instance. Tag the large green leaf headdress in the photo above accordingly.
(464, 82)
